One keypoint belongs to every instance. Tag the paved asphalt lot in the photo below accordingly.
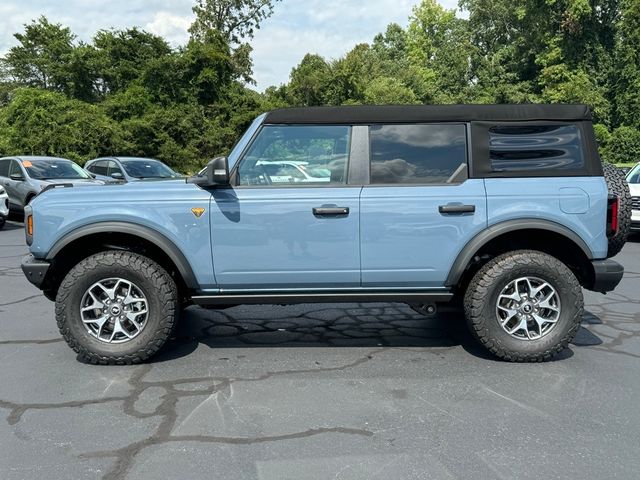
(318, 392)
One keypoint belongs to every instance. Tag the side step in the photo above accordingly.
(324, 297)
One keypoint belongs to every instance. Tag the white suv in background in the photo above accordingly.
(4, 207)
(633, 177)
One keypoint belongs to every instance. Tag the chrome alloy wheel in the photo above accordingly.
(114, 310)
(528, 308)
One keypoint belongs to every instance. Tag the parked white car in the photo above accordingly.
(633, 177)
(4, 207)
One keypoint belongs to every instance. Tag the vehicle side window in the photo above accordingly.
(4, 167)
(417, 154)
(300, 155)
(15, 169)
(535, 148)
(113, 168)
(99, 168)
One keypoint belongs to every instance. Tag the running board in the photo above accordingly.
(325, 297)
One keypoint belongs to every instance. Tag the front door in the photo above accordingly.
(291, 220)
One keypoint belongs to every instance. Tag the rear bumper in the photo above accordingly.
(607, 275)
(35, 270)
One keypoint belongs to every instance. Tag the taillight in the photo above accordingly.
(612, 215)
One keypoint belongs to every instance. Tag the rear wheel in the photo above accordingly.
(617, 185)
(117, 308)
(3, 221)
(524, 306)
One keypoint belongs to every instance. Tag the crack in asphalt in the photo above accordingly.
(15, 302)
(166, 410)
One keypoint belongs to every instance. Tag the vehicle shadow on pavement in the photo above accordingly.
(322, 326)
(10, 225)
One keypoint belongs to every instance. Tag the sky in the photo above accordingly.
(326, 27)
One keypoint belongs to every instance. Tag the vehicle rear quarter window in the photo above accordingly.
(417, 154)
(531, 148)
(297, 155)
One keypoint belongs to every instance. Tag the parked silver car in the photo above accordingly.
(25, 177)
(130, 169)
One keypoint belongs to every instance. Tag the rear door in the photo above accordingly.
(275, 229)
(420, 208)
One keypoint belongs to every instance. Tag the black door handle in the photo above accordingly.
(331, 211)
(453, 209)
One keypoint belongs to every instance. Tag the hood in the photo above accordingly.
(80, 182)
(132, 191)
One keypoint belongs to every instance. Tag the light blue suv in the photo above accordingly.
(504, 207)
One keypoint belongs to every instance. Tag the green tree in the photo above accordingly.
(627, 61)
(123, 54)
(623, 146)
(309, 81)
(43, 56)
(439, 48)
(236, 20)
(388, 91)
(38, 122)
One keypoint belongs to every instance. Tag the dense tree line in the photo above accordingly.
(129, 92)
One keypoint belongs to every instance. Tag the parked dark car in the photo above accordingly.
(130, 169)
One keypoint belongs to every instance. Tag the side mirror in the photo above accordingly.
(17, 177)
(216, 174)
(117, 176)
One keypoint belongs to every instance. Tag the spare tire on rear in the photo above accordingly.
(617, 184)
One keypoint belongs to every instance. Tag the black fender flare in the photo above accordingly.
(146, 233)
(494, 231)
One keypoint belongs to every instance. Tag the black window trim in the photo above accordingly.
(468, 150)
(481, 167)
(353, 167)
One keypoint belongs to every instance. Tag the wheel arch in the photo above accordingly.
(513, 229)
(120, 235)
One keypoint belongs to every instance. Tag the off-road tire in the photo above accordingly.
(156, 284)
(617, 185)
(3, 221)
(485, 287)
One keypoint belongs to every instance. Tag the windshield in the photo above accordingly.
(54, 170)
(148, 169)
(634, 175)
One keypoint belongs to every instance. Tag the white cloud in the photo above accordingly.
(174, 28)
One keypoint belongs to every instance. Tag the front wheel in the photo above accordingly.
(117, 307)
(524, 306)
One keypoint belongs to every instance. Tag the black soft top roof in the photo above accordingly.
(364, 114)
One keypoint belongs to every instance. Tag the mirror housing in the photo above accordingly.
(216, 174)
(117, 176)
(16, 177)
